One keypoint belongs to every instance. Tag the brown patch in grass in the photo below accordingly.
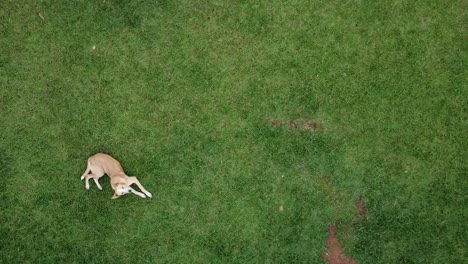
(325, 180)
(328, 189)
(292, 125)
(336, 254)
(301, 125)
(276, 122)
(361, 208)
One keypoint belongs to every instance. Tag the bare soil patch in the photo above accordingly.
(336, 254)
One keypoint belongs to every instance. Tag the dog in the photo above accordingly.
(101, 164)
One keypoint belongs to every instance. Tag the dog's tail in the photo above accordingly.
(88, 170)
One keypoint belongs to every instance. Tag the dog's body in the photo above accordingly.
(101, 164)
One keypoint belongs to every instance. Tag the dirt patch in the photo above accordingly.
(326, 182)
(299, 125)
(361, 208)
(328, 189)
(336, 254)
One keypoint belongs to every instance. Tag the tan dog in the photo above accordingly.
(101, 164)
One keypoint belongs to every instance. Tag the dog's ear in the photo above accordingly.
(115, 196)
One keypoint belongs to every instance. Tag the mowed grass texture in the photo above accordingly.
(255, 124)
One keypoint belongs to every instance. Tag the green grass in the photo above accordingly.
(184, 93)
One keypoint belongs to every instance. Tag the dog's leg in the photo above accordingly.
(96, 180)
(87, 181)
(134, 180)
(88, 169)
(137, 193)
(95, 173)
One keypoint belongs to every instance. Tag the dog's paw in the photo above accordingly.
(82, 177)
(148, 194)
(87, 187)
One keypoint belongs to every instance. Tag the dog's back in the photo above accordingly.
(108, 164)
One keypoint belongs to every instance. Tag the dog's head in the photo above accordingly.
(121, 189)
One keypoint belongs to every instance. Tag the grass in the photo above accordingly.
(184, 93)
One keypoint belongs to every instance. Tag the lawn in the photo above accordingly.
(255, 124)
